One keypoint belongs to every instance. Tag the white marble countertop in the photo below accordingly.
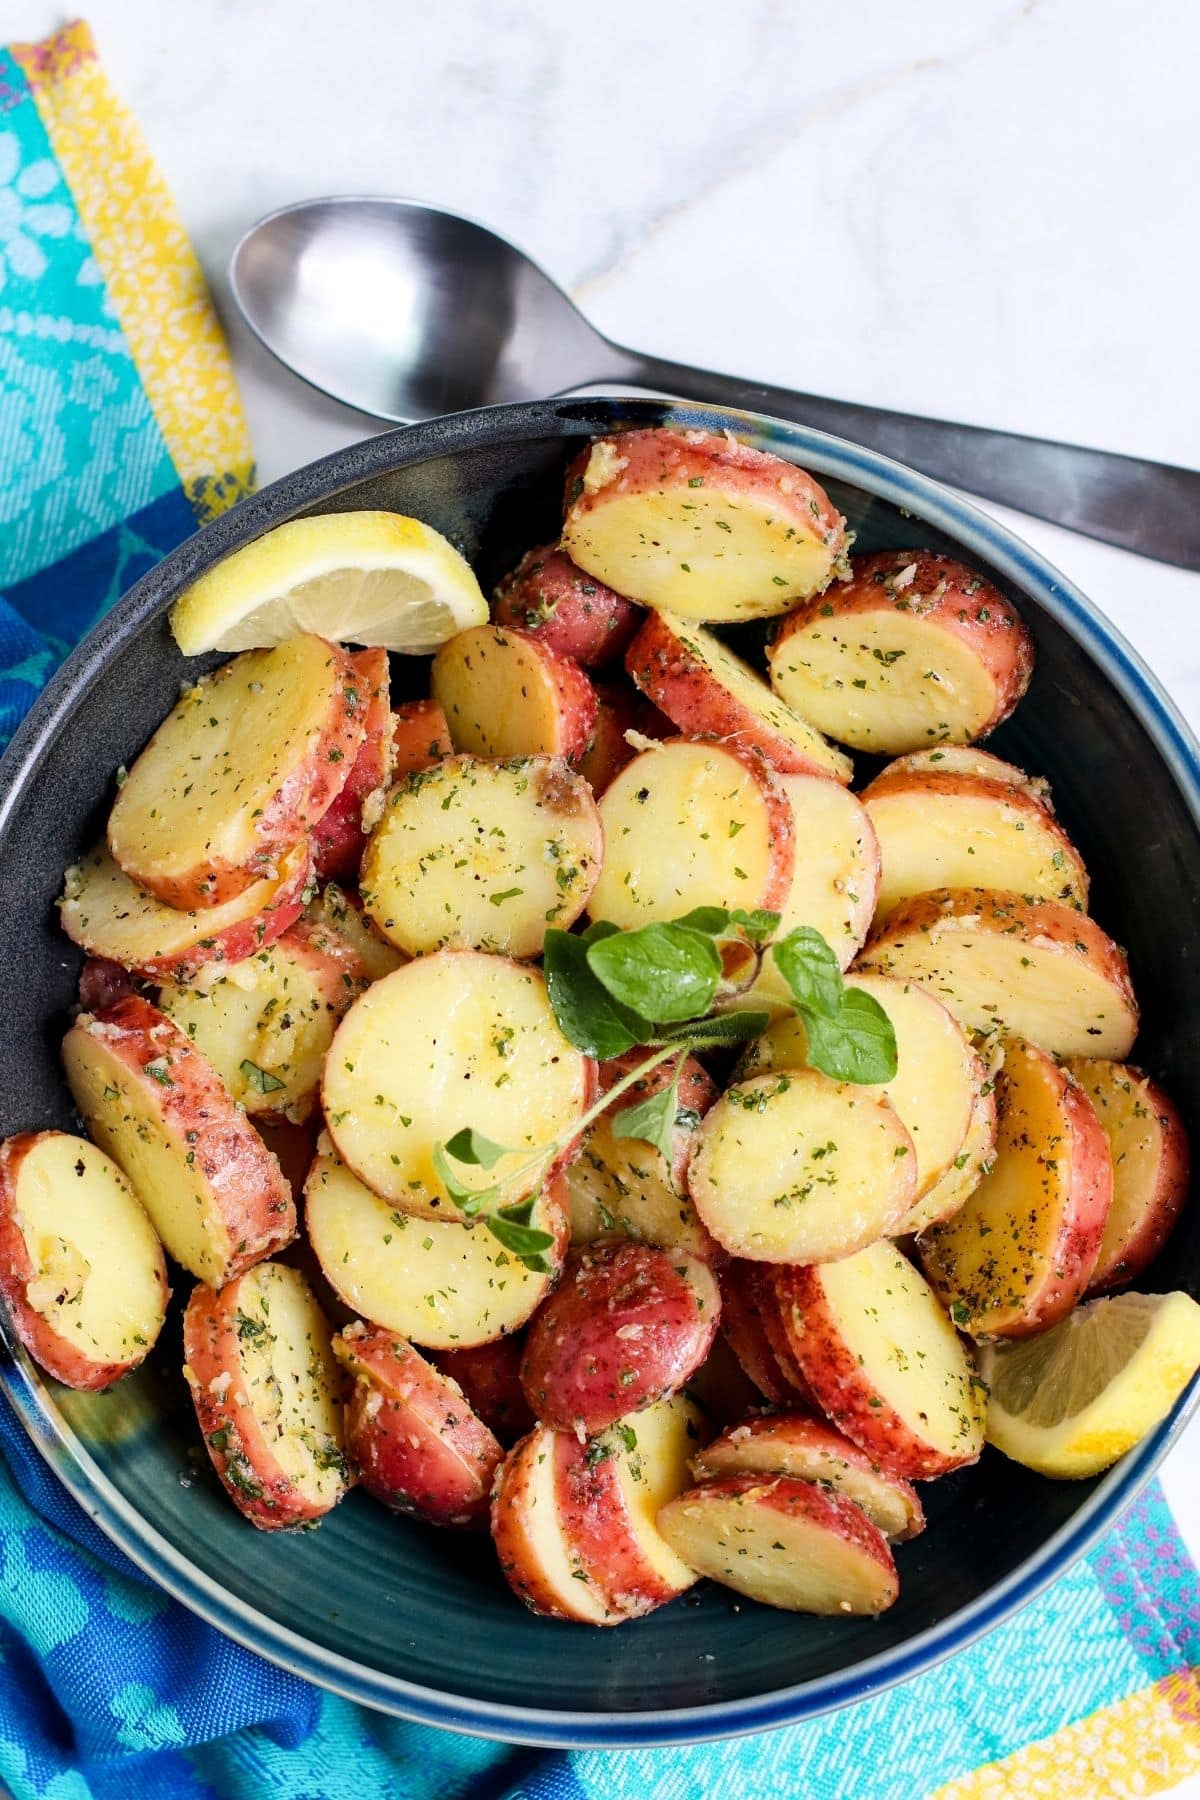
(983, 212)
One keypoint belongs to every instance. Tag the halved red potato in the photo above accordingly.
(266, 1023)
(490, 1377)
(969, 759)
(700, 684)
(267, 1393)
(420, 737)
(625, 1185)
(933, 1089)
(341, 912)
(915, 649)
(884, 1361)
(244, 764)
(810, 1450)
(102, 982)
(619, 709)
(108, 915)
(1151, 1167)
(571, 612)
(213, 1192)
(483, 855)
(695, 521)
(721, 1387)
(541, 1566)
(949, 831)
(783, 1542)
(81, 1270)
(693, 823)
(1034, 969)
(744, 1327)
(339, 835)
(1022, 1250)
(411, 1436)
(973, 1162)
(794, 1167)
(436, 1282)
(452, 1040)
(627, 1326)
(506, 693)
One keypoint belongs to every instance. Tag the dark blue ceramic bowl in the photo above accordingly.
(419, 1623)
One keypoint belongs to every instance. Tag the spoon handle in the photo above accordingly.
(1148, 507)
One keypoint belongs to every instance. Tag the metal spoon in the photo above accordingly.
(406, 311)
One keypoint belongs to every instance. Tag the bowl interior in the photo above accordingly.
(426, 1610)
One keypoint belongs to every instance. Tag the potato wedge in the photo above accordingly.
(744, 1326)
(490, 1377)
(258, 1361)
(336, 910)
(339, 835)
(482, 855)
(810, 1450)
(438, 1283)
(794, 1167)
(933, 1089)
(572, 613)
(540, 1565)
(1033, 969)
(973, 1162)
(628, 1325)
(449, 1041)
(884, 1361)
(619, 709)
(785, 1543)
(211, 1189)
(1022, 1251)
(81, 1270)
(411, 1436)
(915, 649)
(625, 1185)
(198, 820)
(506, 693)
(104, 912)
(1151, 1167)
(700, 684)
(695, 522)
(950, 831)
(420, 737)
(693, 823)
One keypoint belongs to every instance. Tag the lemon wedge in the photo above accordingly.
(1071, 1400)
(373, 578)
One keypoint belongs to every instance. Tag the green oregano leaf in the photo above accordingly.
(588, 1016)
(858, 1044)
(471, 1147)
(811, 971)
(664, 972)
(653, 1121)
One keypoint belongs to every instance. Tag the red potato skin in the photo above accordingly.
(420, 737)
(680, 685)
(255, 1199)
(411, 1435)
(339, 971)
(596, 1525)
(618, 709)
(490, 1377)
(515, 1526)
(1162, 1208)
(572, 613)
(338, 837)
(242, 1458)
(743, 1324)
(102, 982)
(626, 1327)
(56, 1355)
(574, 696)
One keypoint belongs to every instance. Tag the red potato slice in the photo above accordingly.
(1151, 1167)
(104, 912)
(884, 1361)
(506, 693)
(258, 1361)
(540, 1565)
(198, 820)
(490, 1377)
(420, 737)
(811, 1450)
(340, 834)
(1033, 969)
(744, 1327)
(411, 1436)
(340, 912)
(949, 831)
(625, 1185)
(211, 1189)
(438, 1283)
(695, 522)
(628, 1325)
(102, 983)
(455, 1039)
(81, 1270)
(483, 855)
(693, 823)
(969, 759)
(700, 684)
(1022, 1250)
(794, 1167)
(620, 709)
(933, 1089)
(915, 649)
(973, 1162)
(785, 1543)
(572, 613)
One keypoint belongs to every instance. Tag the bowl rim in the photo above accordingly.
(320, 482)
